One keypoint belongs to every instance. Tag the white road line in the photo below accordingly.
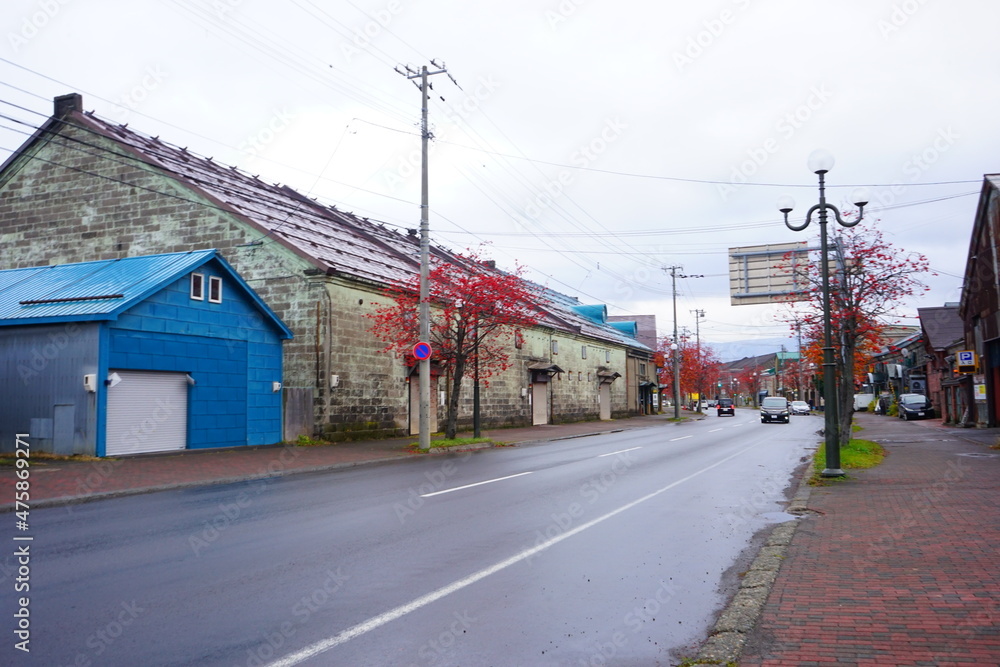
(620, 451)
(469, 486)
(715, 429)
(683, 437)
(375, 622)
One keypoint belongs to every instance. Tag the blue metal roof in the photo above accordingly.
(102, 290)
(629, 328)
(597, 313)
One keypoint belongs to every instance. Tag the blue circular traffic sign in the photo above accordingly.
(422, 351)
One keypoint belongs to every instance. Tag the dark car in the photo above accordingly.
(725, 407)
(774, 409)
(914, 406)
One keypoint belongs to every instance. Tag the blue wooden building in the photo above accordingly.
(138, 355)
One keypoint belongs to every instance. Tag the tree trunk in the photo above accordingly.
(845, 393)
(451, 428)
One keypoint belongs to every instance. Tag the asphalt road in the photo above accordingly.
(608, 549)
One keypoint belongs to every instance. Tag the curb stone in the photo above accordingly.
(727, 638)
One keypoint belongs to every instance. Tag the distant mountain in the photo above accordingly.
(739, 349)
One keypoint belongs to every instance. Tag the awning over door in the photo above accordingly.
(543, 371)
(607, 377)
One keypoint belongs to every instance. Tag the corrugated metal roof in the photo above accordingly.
(89, 290)
(564, 308)
(335, 240)
(104, 289)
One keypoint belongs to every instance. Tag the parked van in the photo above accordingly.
(861, 401)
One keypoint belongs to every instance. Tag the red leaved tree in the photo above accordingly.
(476, 311)
(699, 368)
(748, 379)
(869, 279)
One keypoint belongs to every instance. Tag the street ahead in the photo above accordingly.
(607, 549)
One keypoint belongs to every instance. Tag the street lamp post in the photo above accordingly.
(820, 162)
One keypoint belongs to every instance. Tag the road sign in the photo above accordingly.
(422, 351)
(966, 361)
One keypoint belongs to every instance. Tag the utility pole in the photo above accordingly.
(698, 314)
(424, 309)
(676, 346)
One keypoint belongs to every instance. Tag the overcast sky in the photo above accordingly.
(594, 142)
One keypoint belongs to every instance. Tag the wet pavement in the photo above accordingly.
(897, 565)
(56, 482)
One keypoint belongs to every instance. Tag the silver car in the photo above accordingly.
(800, 408)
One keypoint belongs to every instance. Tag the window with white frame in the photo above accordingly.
(583, 351)
(198, 286)
(215, 289)
(555, 347)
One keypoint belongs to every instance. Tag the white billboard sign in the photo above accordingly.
(776, 272)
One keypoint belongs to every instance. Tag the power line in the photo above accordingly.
(660, 177)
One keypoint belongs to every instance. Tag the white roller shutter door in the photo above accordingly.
(147, 412)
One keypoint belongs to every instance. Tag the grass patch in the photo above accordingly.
(9, 460)
(855, 455)
(307, 441)
(443, 443)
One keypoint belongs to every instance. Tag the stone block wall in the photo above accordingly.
(76, 203)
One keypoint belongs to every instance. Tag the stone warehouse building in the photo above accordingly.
(84, 189)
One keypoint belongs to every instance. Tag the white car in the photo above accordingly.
(800, 408)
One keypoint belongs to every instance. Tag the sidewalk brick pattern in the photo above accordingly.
(901, 567)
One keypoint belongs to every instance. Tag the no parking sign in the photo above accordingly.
(422, 351)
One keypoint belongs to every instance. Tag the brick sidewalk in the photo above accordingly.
(901, 565)
(62, 482)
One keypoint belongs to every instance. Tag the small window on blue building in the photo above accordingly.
(198, 286)
(215, 289)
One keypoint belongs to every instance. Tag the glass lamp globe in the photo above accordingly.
(820, 161)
